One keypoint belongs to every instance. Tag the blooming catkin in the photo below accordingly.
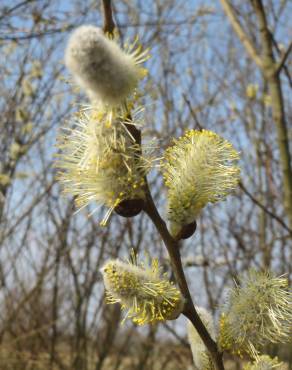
(264, 362)
(199, 168)
(258, 311)
(100, 67)
(141, 289)
(100, 162)
(201, 357)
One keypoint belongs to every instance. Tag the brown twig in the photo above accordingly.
(109, 24)
(173, 250)
(284, 66)
(193, 113)
(284, 58)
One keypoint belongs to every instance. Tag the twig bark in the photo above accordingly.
(109, 24)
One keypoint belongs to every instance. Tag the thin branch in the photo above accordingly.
(265, 209)
(240, 32)
(284, 58)
(17, 6)
(193, 113)
(174, 333)
(284, 67)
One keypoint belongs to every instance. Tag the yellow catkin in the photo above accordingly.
(264, 362)
(257, 312)
(142, 290)
(199, 168)
(99, 162)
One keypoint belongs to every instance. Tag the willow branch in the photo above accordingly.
(171, 244)
(109, 24)
(189, 311)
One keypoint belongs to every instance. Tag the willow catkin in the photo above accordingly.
(101, 68)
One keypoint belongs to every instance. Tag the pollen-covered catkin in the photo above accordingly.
(264, 362)
(200, 167)
(257, 312)
(201, 357)
(141, 289)
(99, 161)
(101, 68)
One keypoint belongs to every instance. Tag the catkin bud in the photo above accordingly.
(142, 290)
(107, 73)
(201, 357)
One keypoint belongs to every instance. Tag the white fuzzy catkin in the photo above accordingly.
(100, 67)
(201, 357)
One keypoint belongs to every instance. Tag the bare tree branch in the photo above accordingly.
(284, 58)
(240, 33)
